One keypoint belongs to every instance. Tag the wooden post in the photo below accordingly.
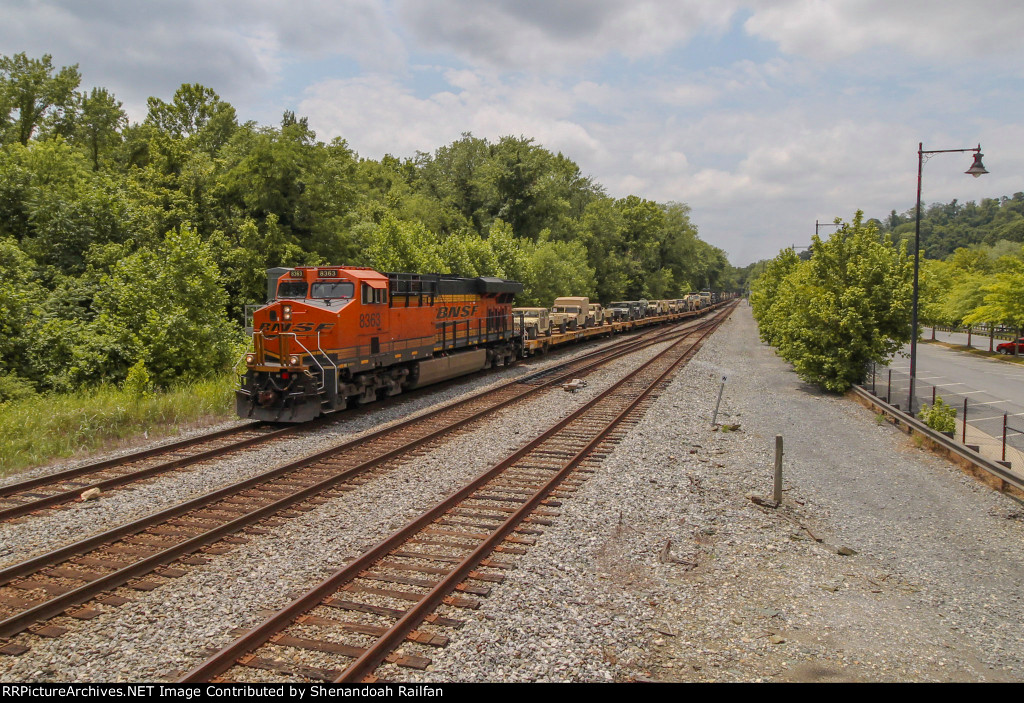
(777, 495)
(964, 439)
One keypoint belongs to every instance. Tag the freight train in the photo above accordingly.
(334, 336)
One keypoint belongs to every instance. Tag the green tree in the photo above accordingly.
(196, 114)
(166, 307)
(397, 246)
(846, 307)
(20, 298)
(559, 268)
(764, 295)
(1003, 298)
(100, 123)
(34, 95)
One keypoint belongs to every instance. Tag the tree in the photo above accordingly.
(40, 95)
(195, 113)
(404, 246)
(166, 307)
(846, 307)
(20, 296)
(100, 122)
(1004, 299)
(765, 293)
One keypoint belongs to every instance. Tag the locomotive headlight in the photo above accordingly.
(293, 360)
(250, 359)
(286, 312)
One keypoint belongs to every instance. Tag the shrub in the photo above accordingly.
(940, 417)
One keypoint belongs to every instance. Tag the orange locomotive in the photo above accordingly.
(338, 334)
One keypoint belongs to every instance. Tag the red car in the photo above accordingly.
(1008, 347)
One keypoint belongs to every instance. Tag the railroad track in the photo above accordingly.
(53, 584)
(35, 495)
(379, 609)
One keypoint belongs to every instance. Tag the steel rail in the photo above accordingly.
(141, 474)
(11, 488)
(18, 510)
(20, 621)
(227, 656)
(376, 653)
(14, 571)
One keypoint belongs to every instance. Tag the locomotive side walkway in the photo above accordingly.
(662, 568)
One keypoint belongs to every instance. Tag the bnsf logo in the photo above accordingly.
(298, 327)
(456, 311)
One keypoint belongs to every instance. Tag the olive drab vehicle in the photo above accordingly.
(572, 311)
(533, 323)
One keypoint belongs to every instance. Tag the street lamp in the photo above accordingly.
(977, 169)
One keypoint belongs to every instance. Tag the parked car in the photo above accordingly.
(1008, 347)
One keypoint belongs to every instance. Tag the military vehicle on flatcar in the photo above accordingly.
(572, 311)
(534, 322)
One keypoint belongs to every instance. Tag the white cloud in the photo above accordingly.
(378, 115)
(831, 29)
(237, 47)
(545, 36)
(759, 144)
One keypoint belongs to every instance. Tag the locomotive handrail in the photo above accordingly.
(329, 360)
(312, 356)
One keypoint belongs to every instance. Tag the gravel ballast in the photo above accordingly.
(170, 629)
(660, 567)
(931, 590)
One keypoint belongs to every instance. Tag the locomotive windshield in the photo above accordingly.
(333, 289)
(292, 289)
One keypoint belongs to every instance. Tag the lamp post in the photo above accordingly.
(977, 169)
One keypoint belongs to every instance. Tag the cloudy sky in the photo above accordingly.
(763, 115)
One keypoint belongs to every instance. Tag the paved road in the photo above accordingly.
(978, 341)
(991, 387)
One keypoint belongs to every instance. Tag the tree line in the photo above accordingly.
(132, 248)
(846, 302)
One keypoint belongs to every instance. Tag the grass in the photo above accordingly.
(41, 429)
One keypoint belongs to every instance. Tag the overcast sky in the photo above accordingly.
(762, 115)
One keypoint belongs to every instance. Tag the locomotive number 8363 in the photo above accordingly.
(331, 336)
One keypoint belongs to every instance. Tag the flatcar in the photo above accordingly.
(331, 336)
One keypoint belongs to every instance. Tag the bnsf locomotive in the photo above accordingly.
(334, 335)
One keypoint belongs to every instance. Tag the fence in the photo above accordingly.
(994, 426)
(978, 337)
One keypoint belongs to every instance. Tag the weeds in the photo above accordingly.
(40, 429)
(939, 417)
